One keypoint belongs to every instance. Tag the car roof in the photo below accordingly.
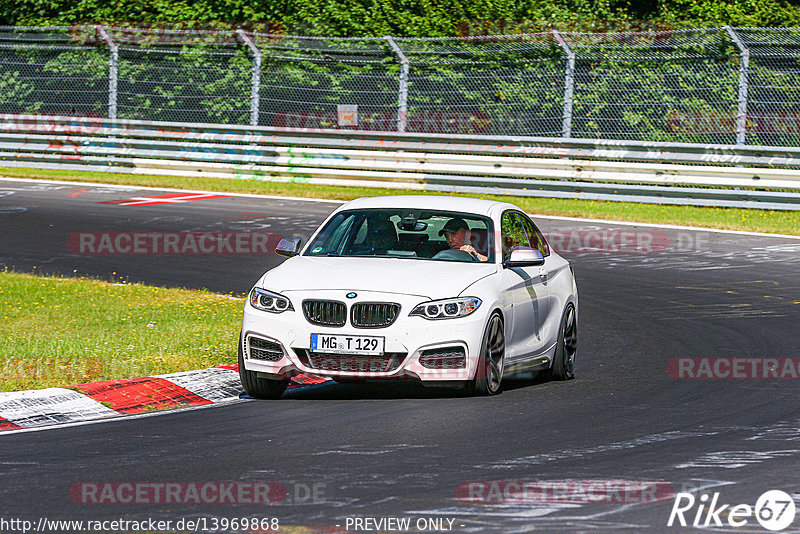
(429, 202)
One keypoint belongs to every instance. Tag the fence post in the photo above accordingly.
(255, 90)
(744, 67)
(112, 72)
(402, 97)
(569, 84)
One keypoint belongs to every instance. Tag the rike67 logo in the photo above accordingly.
(774, 510)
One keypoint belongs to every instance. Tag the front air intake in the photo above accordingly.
(261, 349)
(325, 312)
(351, 363)
(374, 314)
(444, 358)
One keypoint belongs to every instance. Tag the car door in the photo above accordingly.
(525, 294)
(551, 274)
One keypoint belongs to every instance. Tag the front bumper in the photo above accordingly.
(407, 340)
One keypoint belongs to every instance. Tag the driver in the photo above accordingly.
(458, 237)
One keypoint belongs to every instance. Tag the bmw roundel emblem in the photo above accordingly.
(351, 295)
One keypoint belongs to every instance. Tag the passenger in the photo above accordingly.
(458, 236)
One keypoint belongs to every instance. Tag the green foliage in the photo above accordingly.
(418, 18)
(760, 13)
(62, 332)
(12, 88)
(681, 92)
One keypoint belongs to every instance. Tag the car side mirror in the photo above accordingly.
(288, 246)
(524, 257)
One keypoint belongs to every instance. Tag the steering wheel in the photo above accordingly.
(454, 254)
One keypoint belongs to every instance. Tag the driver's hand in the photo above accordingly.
(469, 249)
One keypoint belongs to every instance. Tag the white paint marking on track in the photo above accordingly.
(642, 441)
(170, 198)
(533, 515)
(735, 459)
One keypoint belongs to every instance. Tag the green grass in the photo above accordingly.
(62, 331)
(782, 222)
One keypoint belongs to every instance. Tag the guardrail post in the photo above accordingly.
(402, 97)
(744, 67)
(255, 89)
(112, 72)
(569, 84)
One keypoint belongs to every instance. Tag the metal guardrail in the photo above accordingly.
(670, 173)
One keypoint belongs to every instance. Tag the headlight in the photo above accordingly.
(447, 309)
(264, 300)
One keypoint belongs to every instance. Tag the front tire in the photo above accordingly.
(489, 374)
(254, 385)
(563, 367)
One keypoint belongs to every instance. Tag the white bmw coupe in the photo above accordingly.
(444, 290)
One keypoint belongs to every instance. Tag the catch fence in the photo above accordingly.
(716, 85)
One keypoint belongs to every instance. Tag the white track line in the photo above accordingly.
(303, 199)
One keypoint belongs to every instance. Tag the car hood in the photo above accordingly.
(424, 278)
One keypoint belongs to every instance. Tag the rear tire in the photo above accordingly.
(563, 367)
(257, 387)
(489, 374)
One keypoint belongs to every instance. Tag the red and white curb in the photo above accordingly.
(112, 398)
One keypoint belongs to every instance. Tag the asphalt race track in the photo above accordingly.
(380, 450)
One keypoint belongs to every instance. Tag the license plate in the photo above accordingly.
(343, 344)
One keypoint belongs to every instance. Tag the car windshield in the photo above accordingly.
(406, 233)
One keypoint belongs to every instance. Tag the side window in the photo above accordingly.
(535, 237)
(513, 233)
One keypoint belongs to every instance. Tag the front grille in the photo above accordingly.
(350, 363)
(373, 314)
(325, 312)
(444, 358)
(261, 349)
